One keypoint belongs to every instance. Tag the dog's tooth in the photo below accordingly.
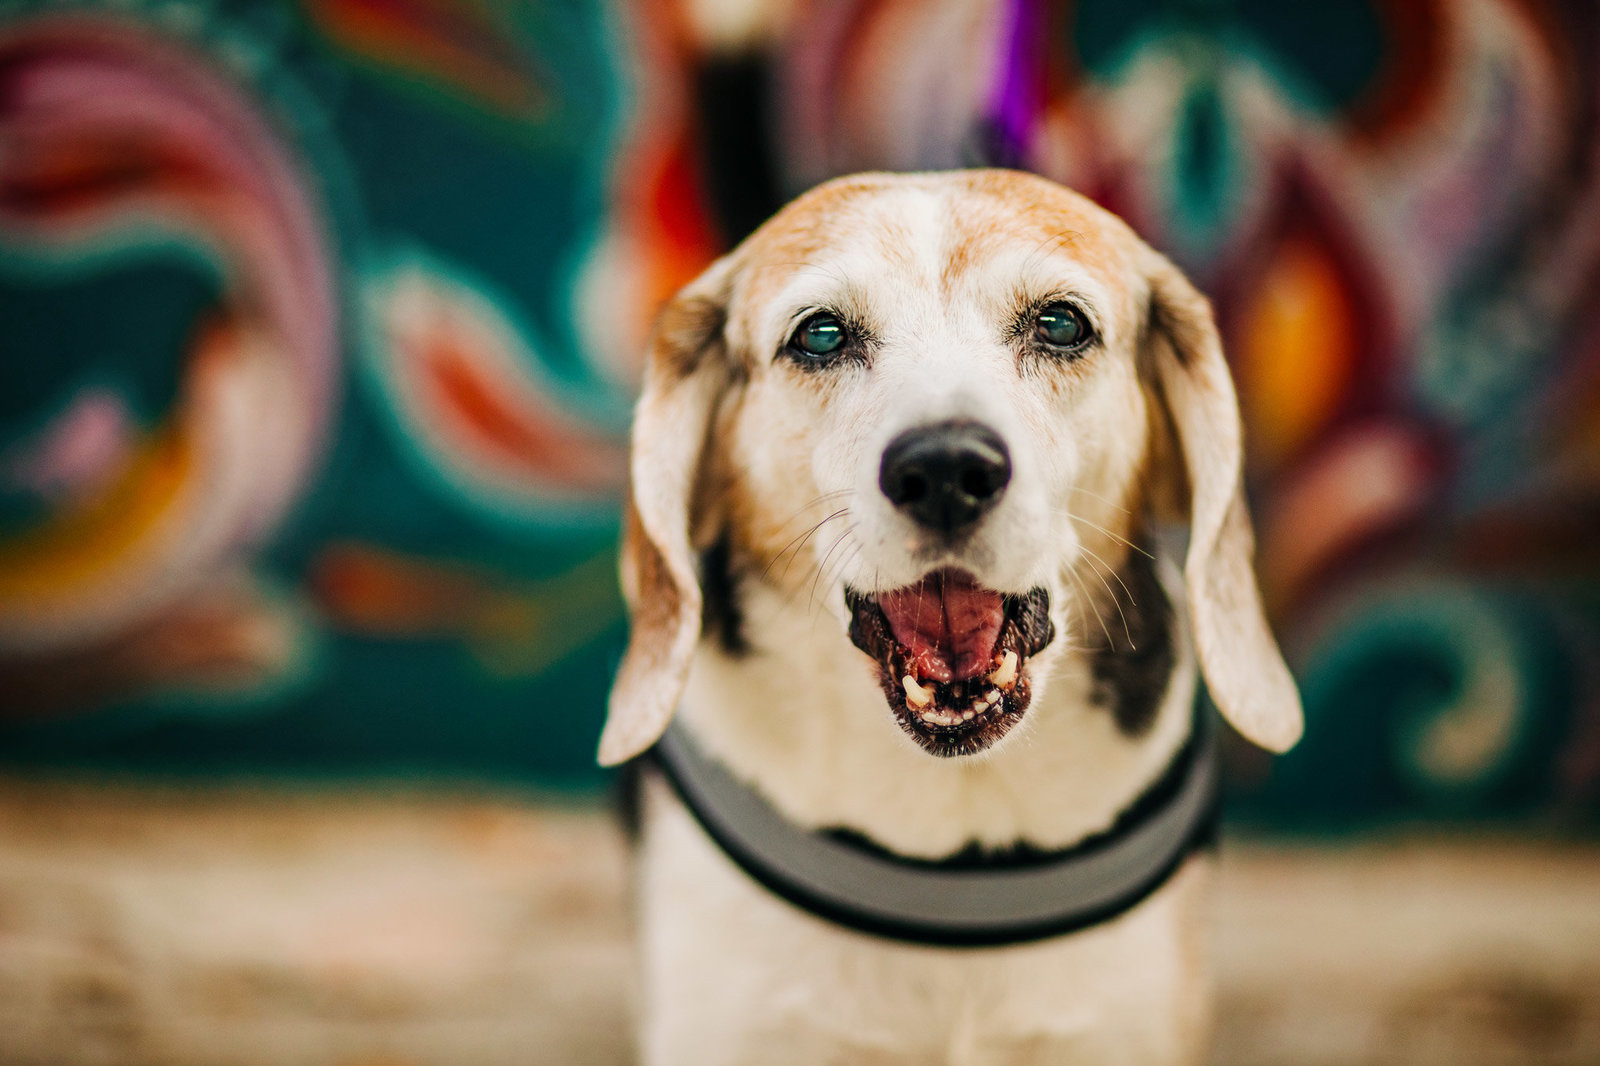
(916, 695)
(1005, 675)
(992, 698)
(968, 715)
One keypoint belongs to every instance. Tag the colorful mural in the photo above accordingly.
(304, 463)
(321, 319)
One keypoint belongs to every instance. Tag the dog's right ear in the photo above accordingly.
(684, 376)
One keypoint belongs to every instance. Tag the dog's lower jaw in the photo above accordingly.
(802, 717)
(956, 717)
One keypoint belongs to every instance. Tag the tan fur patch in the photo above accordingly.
(685, 330)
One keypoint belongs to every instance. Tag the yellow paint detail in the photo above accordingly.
(80, 545)
(1295, 352)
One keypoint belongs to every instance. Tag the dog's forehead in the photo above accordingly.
(947, 234)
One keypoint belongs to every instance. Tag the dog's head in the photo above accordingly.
(934, 403)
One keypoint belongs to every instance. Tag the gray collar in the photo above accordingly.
(973, 899)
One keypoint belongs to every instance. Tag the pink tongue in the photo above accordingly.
(947, 623)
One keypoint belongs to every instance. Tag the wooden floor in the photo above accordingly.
(397, 929)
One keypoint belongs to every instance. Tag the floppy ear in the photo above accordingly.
(684, 375)
(1243, 668)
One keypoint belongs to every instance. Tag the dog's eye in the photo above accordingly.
(820, 335)
(1062, 326)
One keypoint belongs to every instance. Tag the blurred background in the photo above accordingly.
(319, 328)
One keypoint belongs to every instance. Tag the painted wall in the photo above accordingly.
(318, 324)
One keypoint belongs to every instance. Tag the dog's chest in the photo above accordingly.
(733, 974)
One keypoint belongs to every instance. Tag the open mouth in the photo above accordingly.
(952, 656)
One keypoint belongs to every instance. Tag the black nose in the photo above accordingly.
(945, 475)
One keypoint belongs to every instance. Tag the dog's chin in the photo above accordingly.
(952, 657)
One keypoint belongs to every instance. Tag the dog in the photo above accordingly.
(894, 558)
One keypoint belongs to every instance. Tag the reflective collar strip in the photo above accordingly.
(1004, 901)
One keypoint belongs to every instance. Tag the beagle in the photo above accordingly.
(894, 561)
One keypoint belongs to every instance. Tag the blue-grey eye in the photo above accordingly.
(1061, 326)
(821, 334)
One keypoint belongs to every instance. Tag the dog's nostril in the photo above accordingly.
(913, 486)
(945, 475)
(977, 480)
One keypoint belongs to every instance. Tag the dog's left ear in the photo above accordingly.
(1243, 667)
(684, 376)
